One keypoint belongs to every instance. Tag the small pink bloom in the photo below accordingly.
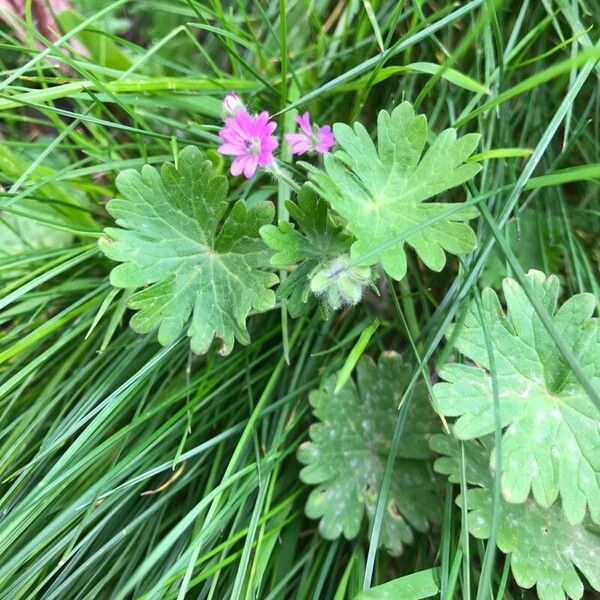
(250, 140)
(231, 105)
(311, 138)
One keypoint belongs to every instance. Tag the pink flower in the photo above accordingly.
(311, 138)
(231, 105)
(250, 140)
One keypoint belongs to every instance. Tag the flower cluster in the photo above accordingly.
(310, 138)
(250, 137)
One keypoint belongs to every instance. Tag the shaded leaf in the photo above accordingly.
(310, 247)
(349, 447)
(529, 239)
(19, 234)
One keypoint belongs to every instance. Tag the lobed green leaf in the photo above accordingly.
(200, 261)
(550, 445)
(546, 550)
(348, 450)
(381, 190)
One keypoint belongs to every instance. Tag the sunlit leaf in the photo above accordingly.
(381, 191)
(203, 260)
(551, 443)
(545, 549)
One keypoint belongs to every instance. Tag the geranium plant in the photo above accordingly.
(201, 263)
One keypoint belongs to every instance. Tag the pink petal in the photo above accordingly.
(259, 123)
(231, 149)
(269, 144)
(244, 118)
(326, 139)
(232, 123)
(298, 142)
(250, 166)
(323, 147)
(230, 136)
(304, 122)
(238, 165)
(262, 126)
(293, 138)
(301, 147)
(265, 158)
(240, 124)
(263, 117)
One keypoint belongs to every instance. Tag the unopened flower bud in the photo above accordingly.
(232, 104)
(339, 283)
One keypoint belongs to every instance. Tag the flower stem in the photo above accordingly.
(282, 174)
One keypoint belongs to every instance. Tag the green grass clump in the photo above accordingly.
(134, 470)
